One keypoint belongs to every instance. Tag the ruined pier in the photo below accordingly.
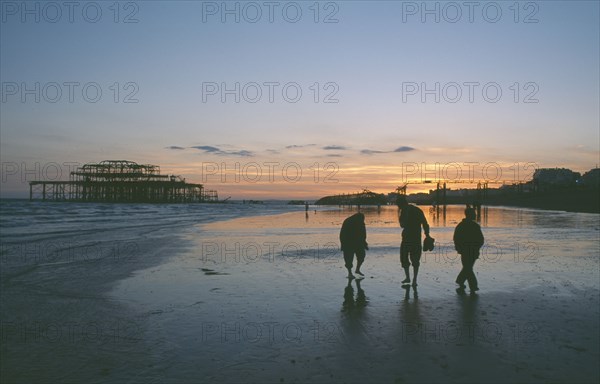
(121, 181)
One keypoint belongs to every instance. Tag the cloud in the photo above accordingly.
(220, 152)
(397, 150)
(334, 148)
(404, 149)
(175, 147)
(293, 146)
(334, 155)
(242, 153)
(371, 152)
(207, 148)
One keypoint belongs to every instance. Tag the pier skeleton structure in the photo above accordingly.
(121, 181)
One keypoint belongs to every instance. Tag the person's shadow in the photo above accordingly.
(469, 305)
(407, 289)
(354, 306)
(411, 322)
(410, 309)
(353, 313)
(467, 319)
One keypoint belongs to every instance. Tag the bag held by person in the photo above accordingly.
(428, 244)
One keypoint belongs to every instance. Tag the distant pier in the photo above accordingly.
(121, 181)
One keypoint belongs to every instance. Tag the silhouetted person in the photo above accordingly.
(353, 237)
(411, 220)
(468, 240)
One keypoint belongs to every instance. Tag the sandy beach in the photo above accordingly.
(265, 299)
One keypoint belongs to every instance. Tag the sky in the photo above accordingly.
(262, 100)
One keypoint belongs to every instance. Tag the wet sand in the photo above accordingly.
(265, 299)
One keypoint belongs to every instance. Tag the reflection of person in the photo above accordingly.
(411, 220)
(468, 239)
(407, 292)
(361, 298)
(350, 303)
(353, 237)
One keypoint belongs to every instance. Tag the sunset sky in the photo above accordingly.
(366, 115)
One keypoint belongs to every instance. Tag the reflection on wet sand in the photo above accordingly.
(409, 310)
(291, 293)
(354, 319)
(354, 306)
(468, 308)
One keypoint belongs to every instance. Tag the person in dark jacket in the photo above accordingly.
(468, 240)
(411, 220)
(353, 237)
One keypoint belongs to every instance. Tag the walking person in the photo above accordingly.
(353, 237)
(468, 240)
(411, 220)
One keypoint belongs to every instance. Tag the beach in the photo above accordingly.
(232, 293)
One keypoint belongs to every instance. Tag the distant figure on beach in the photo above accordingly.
(411, 220)
(353, 237)
(468, 240)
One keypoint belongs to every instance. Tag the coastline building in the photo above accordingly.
(591, 178)
(555, 177)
